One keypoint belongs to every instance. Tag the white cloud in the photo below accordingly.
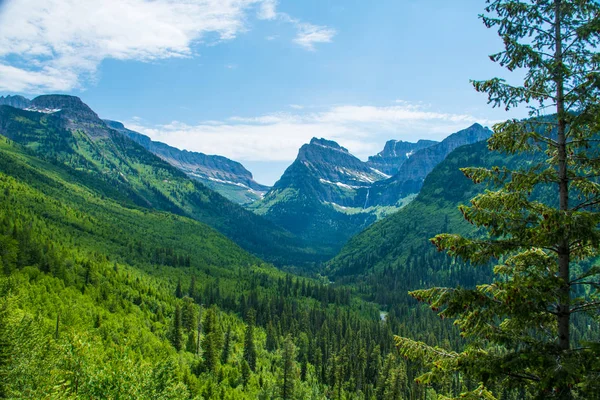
(57, 45)
(309, 34)
(268, 10)
(278, 136)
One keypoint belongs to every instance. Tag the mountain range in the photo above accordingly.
(219, 173)
(109, 238)
(65, 131)
(328, 195)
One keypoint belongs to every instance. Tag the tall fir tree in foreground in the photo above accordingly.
(541, 220)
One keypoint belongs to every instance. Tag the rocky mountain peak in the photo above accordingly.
(68, 104)
(15, 101)
(328, 144)
(395, 153)
(76, 115)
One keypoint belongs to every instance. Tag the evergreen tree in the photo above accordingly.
(192, 291)
(541, 218)
(179, 290)
(177, 331)
(288, 378)
(271, 343)
(189, 315)
(211, 344)
(249, 345)
(246, 373)
(8, 254)
(5, 345)
(303, 355)
(226, 346)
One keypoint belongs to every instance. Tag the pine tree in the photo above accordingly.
(541, 218)
(226, 346)
(177, 331)
(303, 355)
(288, 378)
(246, 373)
(179, 290)
(5, 346)
(271, 343)
(192, 291)
(249, 345)
(189, 315)
(211, 344)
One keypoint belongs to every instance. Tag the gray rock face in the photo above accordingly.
(306, 200)
(204, 167)
(75, 114)
(395, 153)
(15, 101)
(410, 175)
(331, 163)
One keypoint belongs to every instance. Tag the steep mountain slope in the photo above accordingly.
(395, 153)
(327, 195)
(102, 300)
(68, 132)
(409, 178)
(227, 177)
(312, 197)
(389, 243)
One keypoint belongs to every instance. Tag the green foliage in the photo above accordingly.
(110, 272)
(288, 374)
(117, 168)
(249, 346)
(522, 329)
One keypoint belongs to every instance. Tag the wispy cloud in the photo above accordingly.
(278, 136)
(268, 10)
(57, 45)
(309, 34)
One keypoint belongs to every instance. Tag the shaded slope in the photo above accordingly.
(391, 241)
(117, 167)
(221, 174)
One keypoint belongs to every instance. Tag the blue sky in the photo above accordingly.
(255, 79)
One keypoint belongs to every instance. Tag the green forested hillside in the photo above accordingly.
(107, 299)
(391, 241)
(116, 167)
(394, 255)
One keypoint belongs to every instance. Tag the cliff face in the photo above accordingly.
(15, 101)
(226, 176)
(74, 114)
(395, 153)
(409, 178)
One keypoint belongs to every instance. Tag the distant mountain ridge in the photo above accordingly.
(65, 131)
(395, 153)
(328, 195)
(225, 176)
(221, 174)
(15, 101)
(411, 174)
